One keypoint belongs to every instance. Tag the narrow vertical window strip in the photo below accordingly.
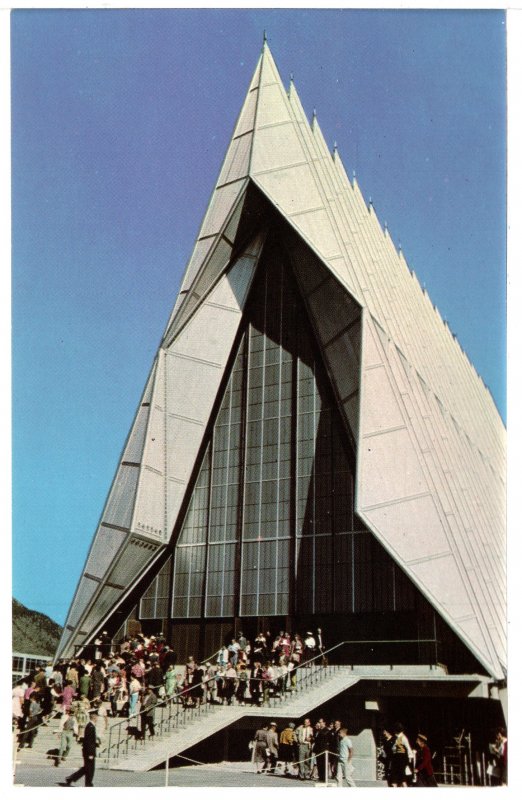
(277, 512)
(226, 498)
(261, 440)
(245, 415)
(314, 486)
(210, 508)
(353, 572)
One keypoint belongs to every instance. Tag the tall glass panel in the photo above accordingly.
(324, 490)
(267, 513)
(154, 602)
(223, 531)
(190, 553)
(270, 529)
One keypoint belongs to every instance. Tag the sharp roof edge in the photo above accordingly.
(274, 142)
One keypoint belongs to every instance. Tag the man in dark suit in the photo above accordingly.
(90, 742)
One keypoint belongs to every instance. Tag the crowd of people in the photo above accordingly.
(404, 766)
(142, 671)
(130, 680)
(318, 752)
(324, 751)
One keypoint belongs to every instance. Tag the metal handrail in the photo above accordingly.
(172, 705)
(174, 713)
(160, 704)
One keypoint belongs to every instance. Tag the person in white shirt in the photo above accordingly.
(401, 757)
(310, 645)
(305, 736)
(222, 656)
(344, 762)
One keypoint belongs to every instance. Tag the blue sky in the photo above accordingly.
(120, 121)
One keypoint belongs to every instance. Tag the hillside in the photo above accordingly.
(34, 632)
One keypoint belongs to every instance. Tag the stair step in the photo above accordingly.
(183, 737)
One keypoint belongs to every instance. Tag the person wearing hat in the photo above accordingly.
(310, 645)
(424, 767)
(105, 645)
(287, 747)
(89, 745)
(272, 746)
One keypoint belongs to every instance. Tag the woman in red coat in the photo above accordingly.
(424, 767)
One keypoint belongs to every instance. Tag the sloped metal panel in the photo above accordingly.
(274, 106)
(110, 542)
(245, 123)
(216, 262)
(223, 200)
(344, 355)
(213, 268)
(201, 251)
(317, 228)
(268, 72)
(121, 501)
(275, 148)
(389, 468)
(195, 365)
(205, 324)
(86, 589)
(294, 188)
(149, 516)
(154, 445)
(134, 448)
(233, 223)
(398, 500)
(381, 412)
(105, 600)
(186, 377)
(248, 113)
(237, 160)
(444, 578)
(410, 519)
(132, 560)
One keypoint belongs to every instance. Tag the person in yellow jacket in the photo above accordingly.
(287, 747)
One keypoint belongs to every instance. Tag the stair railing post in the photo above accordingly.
(15, 749)
(326, 771)
(109, 746)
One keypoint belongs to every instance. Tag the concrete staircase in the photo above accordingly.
(141, 756)
(328, 682)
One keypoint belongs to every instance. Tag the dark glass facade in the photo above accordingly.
(270, 529)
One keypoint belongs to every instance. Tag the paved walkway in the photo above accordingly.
(225, 774)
